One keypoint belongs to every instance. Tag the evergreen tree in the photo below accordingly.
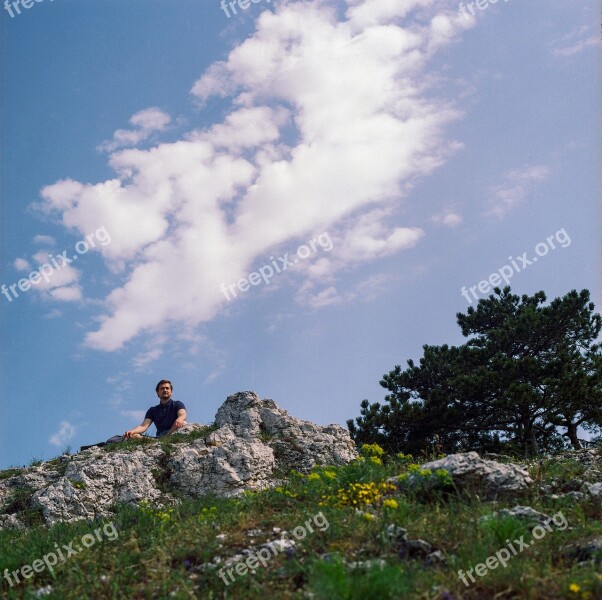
(526, 370)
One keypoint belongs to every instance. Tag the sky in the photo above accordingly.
(289, 197)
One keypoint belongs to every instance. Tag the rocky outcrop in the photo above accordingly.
(254, 445)
(469, 472)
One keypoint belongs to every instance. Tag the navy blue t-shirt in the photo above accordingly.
(164, 415)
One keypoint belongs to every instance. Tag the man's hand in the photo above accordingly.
(179, 422)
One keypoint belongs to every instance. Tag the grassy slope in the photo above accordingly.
(160, 553)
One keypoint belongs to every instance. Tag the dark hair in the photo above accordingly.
(162, 382)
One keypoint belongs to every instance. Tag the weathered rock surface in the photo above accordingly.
(255, 443)
(594, 491)
(527, 514)
(488, 478)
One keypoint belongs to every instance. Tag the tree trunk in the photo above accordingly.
(571, 433)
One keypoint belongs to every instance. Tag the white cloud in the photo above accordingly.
(365, 290)
(447, 218)
(146, 122)
(370, 238)
(58, 281)
(136, 416)
(329, 127)
(21, 264)
(577, 47)
(575, 42)
(144, 358)
(65, 433)
(516, 187)
(44, 240)
(66, 293)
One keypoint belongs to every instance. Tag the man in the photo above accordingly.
(168, 416)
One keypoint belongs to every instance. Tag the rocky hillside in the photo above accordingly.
(253, 444)
(261, 504)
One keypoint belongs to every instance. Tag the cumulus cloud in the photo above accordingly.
(145, 122)
(21, 264)
(447, 218)
(65, 433)
(58, 281)
(330, 122)
(517, 185)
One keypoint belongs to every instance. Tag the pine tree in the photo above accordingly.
(526, 371)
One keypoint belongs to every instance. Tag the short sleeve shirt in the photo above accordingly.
(164, 415)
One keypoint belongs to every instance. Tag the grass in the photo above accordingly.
(164, 553)
(19, 502)
(12, 472)
(167, 442)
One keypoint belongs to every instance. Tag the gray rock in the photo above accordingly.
(188, 429)
(297, 444)
(395, 534)
(489, 478)
(573, 495)
(89, 488)
(524, 513)
(434, 558)
(10, 522)
(584, 551)
(226, 470)
(253, 439)
(594, 491)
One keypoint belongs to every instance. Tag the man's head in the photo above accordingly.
(164, 390)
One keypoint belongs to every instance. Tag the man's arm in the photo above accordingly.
(181, 418)
(140, 429)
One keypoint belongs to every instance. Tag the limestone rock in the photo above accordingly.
(594, 491)
(89, 488)
(524, 513)
(488, 478)
(188, 429)
(10, 522)
(297, 444)
(255, 443)
(226, 470)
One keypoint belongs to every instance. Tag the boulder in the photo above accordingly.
(490, 479)
(255, 443)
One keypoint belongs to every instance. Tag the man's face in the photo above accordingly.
(164, 392)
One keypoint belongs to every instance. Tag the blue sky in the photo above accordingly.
(391, 151)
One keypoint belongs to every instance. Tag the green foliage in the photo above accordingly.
(19, 503)
(169, 551)
(7, 473)
(526, 379)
